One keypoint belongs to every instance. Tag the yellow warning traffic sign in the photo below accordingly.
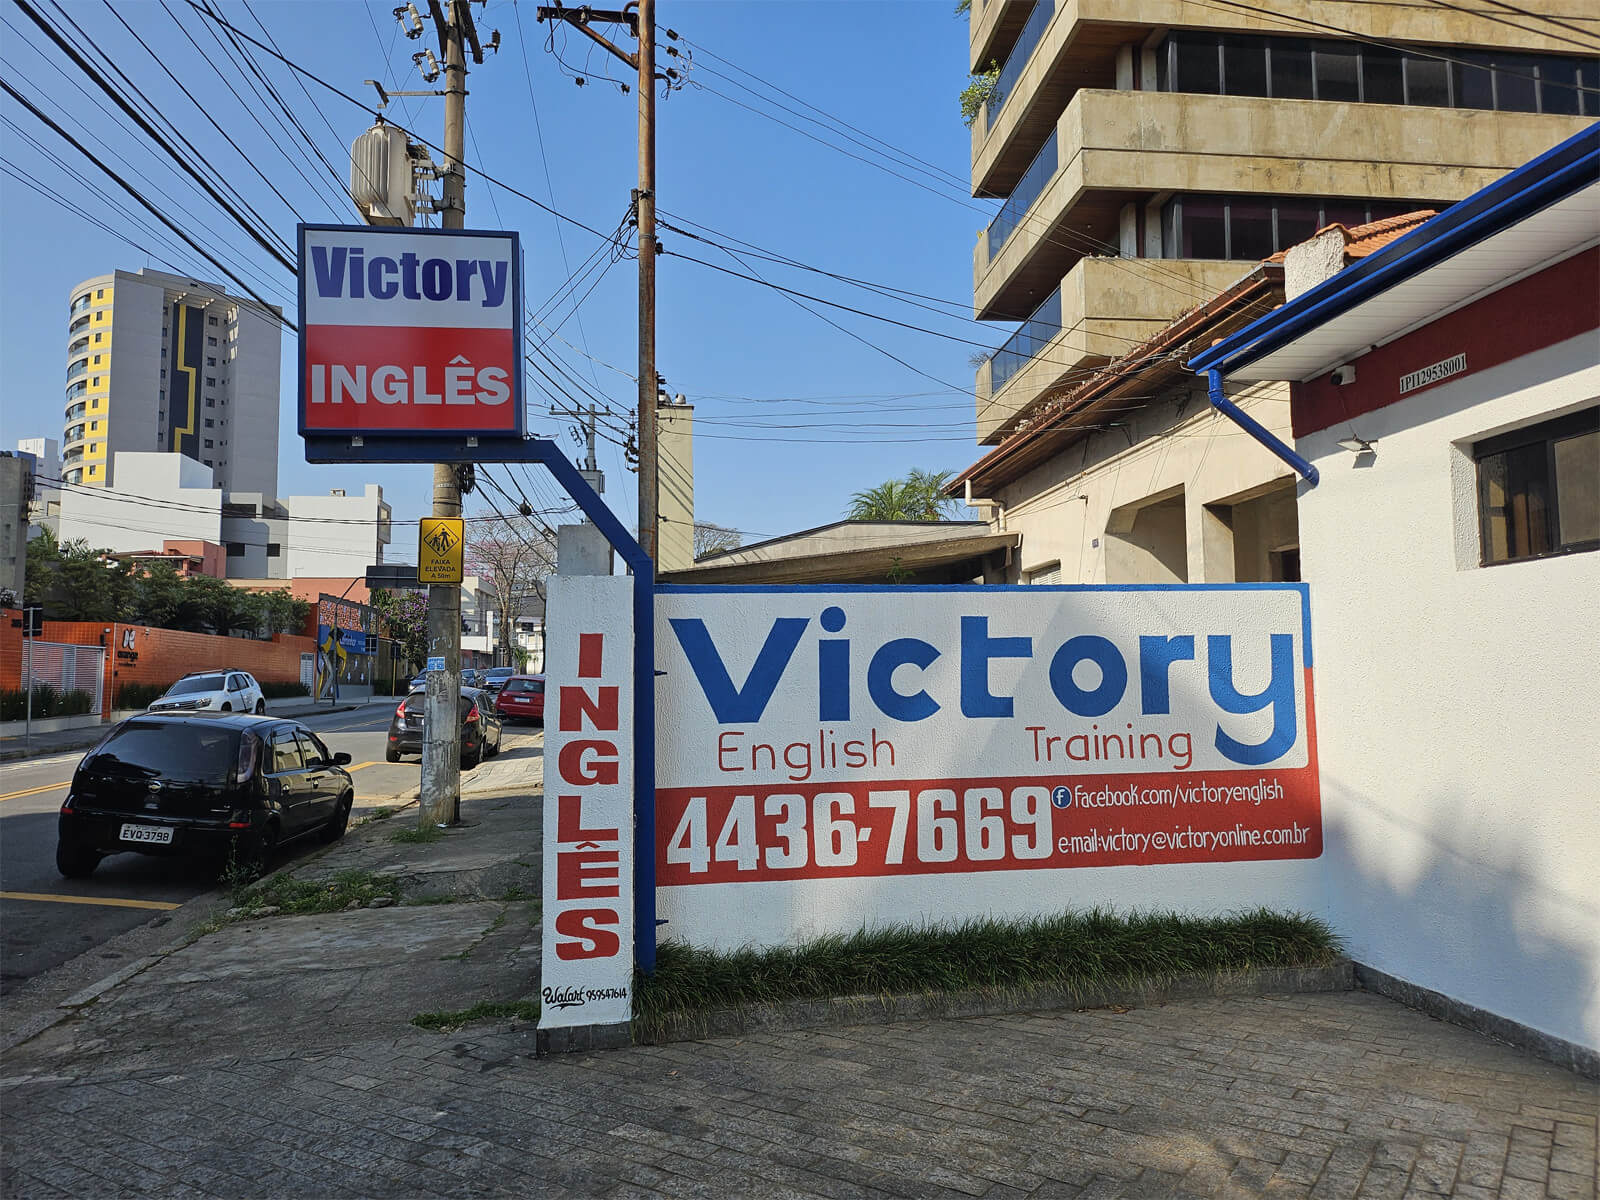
(440, 543)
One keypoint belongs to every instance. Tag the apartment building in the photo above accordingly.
(156, 362)
(1150, 153)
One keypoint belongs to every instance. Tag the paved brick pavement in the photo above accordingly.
(1333, 1095)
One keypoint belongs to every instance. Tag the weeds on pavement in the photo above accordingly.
(291, 895)
(419, 836)
(489, 1010)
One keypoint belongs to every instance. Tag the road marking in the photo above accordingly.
(105, 902)
(361, 766)
(49, 787)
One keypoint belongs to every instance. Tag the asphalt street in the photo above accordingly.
(45, 919)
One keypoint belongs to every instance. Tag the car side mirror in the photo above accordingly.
(341, 759)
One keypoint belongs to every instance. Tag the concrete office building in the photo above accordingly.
(1150, 153)
(156, 362)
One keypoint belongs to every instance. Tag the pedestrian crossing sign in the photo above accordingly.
(441, 542)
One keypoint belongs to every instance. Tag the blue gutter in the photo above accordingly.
(1255, 429)
(1554, 175)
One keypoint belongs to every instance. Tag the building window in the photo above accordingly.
(94, 426)
(211, 362)
(211, 341)
(208, 443)
(1254, 227)
(1539, 489)
(1049, 573)
(211, 402)
(99, 293)
(1291, 68)
(209, 422)
(274, 550)
(211, 381)
(207, 462)
(98, 336)
(235, 549)
(211, 321)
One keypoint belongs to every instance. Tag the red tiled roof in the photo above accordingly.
(1362, 240)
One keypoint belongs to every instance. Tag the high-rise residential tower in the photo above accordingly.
(1149, 150)
(156, 362)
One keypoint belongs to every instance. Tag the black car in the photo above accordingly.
(471, 677)
(225, 787)
(480, 727)
(495, 678)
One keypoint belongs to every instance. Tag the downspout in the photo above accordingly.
(1254, 428)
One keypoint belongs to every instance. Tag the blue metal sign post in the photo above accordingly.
(442, 448)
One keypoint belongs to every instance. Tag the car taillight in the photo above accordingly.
(472, 714)
(401, 710)
(249, 750)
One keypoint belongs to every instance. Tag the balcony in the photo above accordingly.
(74, 434)
(72, 456)
(1116, 148)
(76, 410)
(1099, 311)
(76, 369)
(992, 29)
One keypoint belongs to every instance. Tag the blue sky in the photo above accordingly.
(792, 414)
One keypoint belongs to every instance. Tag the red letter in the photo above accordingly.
(576, 703)
(573, 769)
(583, 924)
(588, 875)
(589, 648)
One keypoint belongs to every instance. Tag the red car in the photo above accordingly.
(522, 699)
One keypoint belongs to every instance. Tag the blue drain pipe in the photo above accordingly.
(1254, 428)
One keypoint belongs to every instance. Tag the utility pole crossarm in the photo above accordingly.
(579, 19)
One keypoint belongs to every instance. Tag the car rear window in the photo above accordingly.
(197, 683)
(526, 685)
(167, 750)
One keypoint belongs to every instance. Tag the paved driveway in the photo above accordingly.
(1332, 1095)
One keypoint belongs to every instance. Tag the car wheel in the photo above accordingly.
(491, 751)
(391, 755)
(334, 829)
(75, 862)
(261, 707)
(259, 859)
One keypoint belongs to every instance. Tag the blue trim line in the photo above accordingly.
(1255, 429)
(1553, 176)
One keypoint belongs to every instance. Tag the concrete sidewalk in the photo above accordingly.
(276, 1055)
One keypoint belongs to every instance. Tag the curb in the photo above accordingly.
(14, 753)
(889, 1009)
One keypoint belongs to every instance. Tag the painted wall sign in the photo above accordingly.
(1433, 373)
(183, 385)
(410, 331)
(812, 737)
(587, 975)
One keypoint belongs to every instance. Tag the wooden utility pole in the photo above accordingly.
(639, 16)
(440, 801)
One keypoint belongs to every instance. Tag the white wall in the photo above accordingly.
(1456, 704)
(185, 505)
(324, 546)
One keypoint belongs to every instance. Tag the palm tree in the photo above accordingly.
(918, 497)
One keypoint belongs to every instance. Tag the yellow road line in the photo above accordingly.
(353, 767)
(49, 787)
(106, 902)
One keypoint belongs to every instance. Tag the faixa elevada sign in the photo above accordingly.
(832, 757)
(410, 331)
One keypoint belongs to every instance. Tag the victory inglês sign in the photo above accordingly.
(833, 758)
(410, 331)
(587, 964)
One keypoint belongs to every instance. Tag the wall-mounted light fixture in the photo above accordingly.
(1357, 445)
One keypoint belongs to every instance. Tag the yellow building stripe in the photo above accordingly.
(102, 901)
(49, 787)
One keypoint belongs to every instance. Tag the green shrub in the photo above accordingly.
(47, 702)
(137, 695)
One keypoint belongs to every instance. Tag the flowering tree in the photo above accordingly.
(403, 616)
(515, 557)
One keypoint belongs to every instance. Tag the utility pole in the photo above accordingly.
(440, 802)
(639, 16)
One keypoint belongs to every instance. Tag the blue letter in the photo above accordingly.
(1113, 676)
(328, 265)
(1156, 656)
(1279, 693)
(494, 282)
(880, 679)
(380, 278)
(739, 705)
(833, 669)
(977, 648)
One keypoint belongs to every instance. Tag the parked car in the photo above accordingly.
(217, 690)
(495, 678)
(522, 698)
(471, 677)
(480, 727)
(224, 787)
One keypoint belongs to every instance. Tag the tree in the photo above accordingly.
(983, 87)
(403, 618)
(918, 497)
(515, 557)
(72, 581)
(713, 539)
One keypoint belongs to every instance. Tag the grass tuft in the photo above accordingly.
(291, 895)
(1076, 951)
(419, 836)
(488, 1010)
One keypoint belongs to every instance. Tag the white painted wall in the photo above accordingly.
(320, 544)
(1458, 723)
(157, 496)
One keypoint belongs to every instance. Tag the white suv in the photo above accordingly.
(214, 691)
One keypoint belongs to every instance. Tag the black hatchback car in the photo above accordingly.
(220, 787)
(480, 726)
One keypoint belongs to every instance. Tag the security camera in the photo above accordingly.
(1343, 375)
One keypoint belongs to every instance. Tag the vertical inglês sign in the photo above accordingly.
(587, 976)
